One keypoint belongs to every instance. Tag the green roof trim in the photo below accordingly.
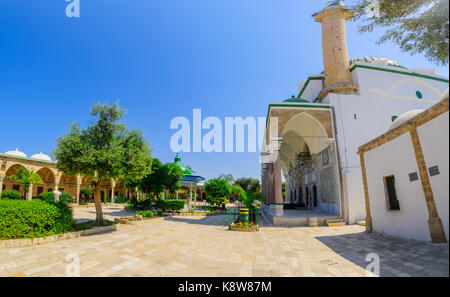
(400, 72)
(307, 83)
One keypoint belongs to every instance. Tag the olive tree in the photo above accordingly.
(107, 149)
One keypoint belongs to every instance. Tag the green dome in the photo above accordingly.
(296, 100)
(184, 169)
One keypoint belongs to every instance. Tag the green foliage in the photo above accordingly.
(160, 213)
(29, 219)
(227, 177)
(244, 224)
(249, 184)
(217, 202)
(26, 178)
(86, 194)
(121, 198)
(142, 204)
(417, 26)
(162, 177)
(146, 214)
(238, 193)
(65, 198)
(253, 200)
(217, 188)
(172, 205)
(106, 149)
(48, 197)
(11, 194)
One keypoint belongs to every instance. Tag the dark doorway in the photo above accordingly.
(307, 196)
(40, 190)
(315, 196)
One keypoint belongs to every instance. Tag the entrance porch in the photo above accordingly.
(298, 218)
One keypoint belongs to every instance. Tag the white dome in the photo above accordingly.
(445, 95)
(16, 153)
(41, 156)
(405, 117)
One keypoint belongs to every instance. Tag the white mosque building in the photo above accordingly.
(313, 138)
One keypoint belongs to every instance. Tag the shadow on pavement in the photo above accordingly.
(218, 220)
(398, 257)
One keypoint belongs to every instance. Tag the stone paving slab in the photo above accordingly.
(203, 246)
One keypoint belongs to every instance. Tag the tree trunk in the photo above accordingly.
(98, 207)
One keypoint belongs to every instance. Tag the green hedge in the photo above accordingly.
(30, 219)
(146, 214)
(11, 194)
(142, 204)
(173, 205)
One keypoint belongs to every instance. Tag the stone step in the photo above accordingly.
(335, 221)
(313, 222)
(336, 224)
(361, 223)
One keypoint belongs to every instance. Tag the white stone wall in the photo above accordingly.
(396, 158)
(434, 138)
(363, 117)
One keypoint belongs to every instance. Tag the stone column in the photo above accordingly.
(78, 192)
(195, 197)
(30, 193)
(434, 223)
(113, 189)
(1, 185)
(263, 182)
(278, 188)
(190, 198)
(271, 184)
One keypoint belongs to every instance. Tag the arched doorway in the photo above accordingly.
(68, 184)
(48, 178)
(10, 184)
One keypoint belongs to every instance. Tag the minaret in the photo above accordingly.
(334, 46)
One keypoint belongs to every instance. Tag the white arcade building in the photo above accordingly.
(313, 139)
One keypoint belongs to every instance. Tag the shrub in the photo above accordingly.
(121, 198)
(173, 205)
(244, 224)
(160, 213)
(217, 188)
(217, 202)
(238, 193)
(253, 199)
(142, 204)
(146, 214)
(65, 198)
(86, 195)
(29, 219)
(48, 197)
(11, 194)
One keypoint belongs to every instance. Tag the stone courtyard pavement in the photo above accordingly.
(203, 246)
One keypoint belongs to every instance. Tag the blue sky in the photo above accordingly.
(160, 59)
